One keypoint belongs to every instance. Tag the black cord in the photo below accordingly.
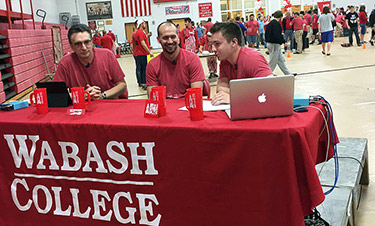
(348, 157)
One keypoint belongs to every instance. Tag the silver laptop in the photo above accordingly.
(261, 97)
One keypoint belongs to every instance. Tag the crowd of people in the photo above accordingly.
(104, 39)
(234, 43)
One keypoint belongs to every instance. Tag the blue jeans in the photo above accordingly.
(263, 39)
(289, 37)
(355, 31)
(141, 64)
(251, 39)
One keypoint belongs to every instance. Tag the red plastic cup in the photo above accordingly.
(194, 103)
(78, 97)
(158, 93)
(39, 99)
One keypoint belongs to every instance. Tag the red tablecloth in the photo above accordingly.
(85, 170)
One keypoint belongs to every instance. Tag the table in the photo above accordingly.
(112, 164)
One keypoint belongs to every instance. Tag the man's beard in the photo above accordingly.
(166, 49)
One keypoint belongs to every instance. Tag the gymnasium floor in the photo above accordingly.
(346, 79)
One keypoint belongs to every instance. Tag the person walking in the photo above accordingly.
(275, 39)
(326, 30)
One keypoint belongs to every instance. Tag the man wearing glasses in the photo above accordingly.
(95, 69)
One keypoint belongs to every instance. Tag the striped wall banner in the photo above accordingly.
(135, 8)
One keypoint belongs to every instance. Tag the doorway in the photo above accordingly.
(130, 28)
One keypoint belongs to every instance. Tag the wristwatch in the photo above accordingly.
(104, 95)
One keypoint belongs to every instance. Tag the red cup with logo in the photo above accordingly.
(194, 103)
(39, 99)
(158, 93)
(78, 97)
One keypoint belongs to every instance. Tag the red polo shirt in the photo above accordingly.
(140, 35)
(298, 23)
(177, 76)
(250, 63)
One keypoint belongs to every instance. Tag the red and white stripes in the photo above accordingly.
(135, 8)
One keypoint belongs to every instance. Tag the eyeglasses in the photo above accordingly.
(80, 44)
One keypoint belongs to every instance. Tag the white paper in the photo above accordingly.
(207, 106)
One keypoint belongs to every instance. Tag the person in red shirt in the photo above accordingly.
(142, 50)
(252, 31)
(175, 68)
(208, 25)
(315, 26)
(106, 41)
(96, 39)
(297, 22)
(96, 69)
(235, 61)
(305, 38)
(288, 32)
(110, 33)
(309, 21)
(189, 37)
(363, 21)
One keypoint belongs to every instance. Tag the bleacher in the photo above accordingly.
(25, 55)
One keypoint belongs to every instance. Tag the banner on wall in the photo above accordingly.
(205, 9)
(321, 5)
(173, 10)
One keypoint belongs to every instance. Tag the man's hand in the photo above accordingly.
(220, 98)
(94, 91)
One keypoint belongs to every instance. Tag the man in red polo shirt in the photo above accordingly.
(235, 61)
(252, 31)
(141, 51)
(297, 22)
(96, 69)
(175, 68)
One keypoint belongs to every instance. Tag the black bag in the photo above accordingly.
(314, 219)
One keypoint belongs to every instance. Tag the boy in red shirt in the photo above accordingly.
(189, 37)
(362, 21)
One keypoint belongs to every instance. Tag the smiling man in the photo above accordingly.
(96, 69)
(236, 61)
(175, 68)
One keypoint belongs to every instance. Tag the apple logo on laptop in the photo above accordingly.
(262, 98)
